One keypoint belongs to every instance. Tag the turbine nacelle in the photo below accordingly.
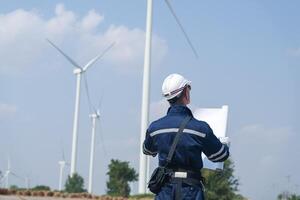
(77, 71)
(95, 115)
(98, 113)
(62, 163)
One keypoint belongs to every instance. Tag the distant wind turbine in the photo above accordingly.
(8, 173)
(146, 86)
(62, 164)
(78, 71)
(94, 116)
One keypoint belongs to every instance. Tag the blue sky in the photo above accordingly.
(249, 59)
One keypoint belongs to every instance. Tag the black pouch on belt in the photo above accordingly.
(158, 178)
(161, 174)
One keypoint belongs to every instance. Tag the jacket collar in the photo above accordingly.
(179, 110)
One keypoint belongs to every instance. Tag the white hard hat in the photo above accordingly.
(173, 85)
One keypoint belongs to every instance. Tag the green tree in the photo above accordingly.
(221, 185)
(294, 197)
(74, 184)
(13, 187)
(120, 174)
(41, 187)
(288, 196)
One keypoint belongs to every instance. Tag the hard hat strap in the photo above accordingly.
(175, 91)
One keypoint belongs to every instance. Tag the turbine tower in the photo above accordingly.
(78, 71)
(145, 98)
(144, 160)
(94, 117)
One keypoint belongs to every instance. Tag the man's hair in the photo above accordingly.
(177, 99)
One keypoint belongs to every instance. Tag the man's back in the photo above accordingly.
(197, 137)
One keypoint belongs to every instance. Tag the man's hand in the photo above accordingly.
(225, 140)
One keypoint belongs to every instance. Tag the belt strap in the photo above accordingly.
(188, 181)
(178, 189)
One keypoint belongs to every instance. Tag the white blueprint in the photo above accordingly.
(217, 120)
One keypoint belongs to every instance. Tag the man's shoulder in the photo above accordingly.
(157, 124)
(199, 125)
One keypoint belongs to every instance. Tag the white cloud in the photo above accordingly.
(23, 33)
(7, 111)
(91, 20)
(264, 157)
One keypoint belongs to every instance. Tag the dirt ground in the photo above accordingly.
(3, 197)
(32, 198)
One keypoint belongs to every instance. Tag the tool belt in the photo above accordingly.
(186, 174)
(163, 175)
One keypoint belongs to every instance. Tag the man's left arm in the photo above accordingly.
(216, 150)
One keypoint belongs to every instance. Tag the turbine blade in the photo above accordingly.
(64, 54)
(181, 27)
(91, 106)
(17, 176)
(4, 176)
(63, 154)
(8, 163)
(97, 57)
(100, 101)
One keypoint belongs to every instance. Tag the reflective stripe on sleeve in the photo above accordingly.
(220, 157)
(216, 154)
(146, 151)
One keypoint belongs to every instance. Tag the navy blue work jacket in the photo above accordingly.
(197, 137)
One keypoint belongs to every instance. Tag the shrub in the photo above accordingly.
(74, 184)
(49, 194)
(120, 174)
(12, 192)
(4, 191)
(27, 193)
(57, 194)
(41, 187)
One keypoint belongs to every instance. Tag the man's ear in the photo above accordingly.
(185, 93)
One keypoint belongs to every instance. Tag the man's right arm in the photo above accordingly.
(149, 147)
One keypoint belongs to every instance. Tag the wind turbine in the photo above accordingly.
(7, 174)
(94, 116)
(144, 160)
(62, 165)
(78, 71)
